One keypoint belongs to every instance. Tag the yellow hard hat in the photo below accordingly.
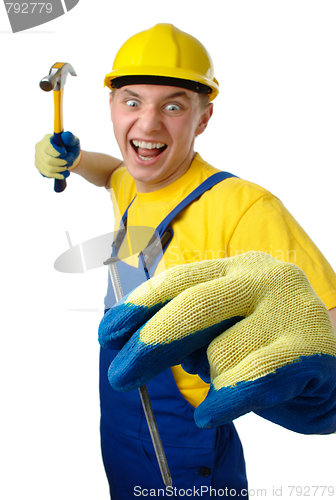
(164, 55)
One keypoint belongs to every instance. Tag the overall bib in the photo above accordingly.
(199, 459)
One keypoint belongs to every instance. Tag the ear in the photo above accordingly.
(111, 102)
(204, 119)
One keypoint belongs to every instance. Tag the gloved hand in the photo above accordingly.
(278, 361)
(54, 161)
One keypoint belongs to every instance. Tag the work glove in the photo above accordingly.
(55, 161)
(268, 339)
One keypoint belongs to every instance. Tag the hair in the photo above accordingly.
(204, 100)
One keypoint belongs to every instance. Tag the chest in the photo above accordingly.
(199, 230)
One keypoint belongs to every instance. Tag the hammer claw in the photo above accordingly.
(57, 77)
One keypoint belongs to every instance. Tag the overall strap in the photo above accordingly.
(119, 238)
(158, 244)
(207, 184)
(163, 233)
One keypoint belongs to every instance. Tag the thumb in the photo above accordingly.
(69, 139)
(62, 152)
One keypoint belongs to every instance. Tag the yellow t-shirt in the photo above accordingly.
(233, 217)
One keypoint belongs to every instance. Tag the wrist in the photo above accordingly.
(76, 162)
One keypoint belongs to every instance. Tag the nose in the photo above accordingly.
(150, 121)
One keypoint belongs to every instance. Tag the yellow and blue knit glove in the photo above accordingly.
(271, 346)
(54, 161)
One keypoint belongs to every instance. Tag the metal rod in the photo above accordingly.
(144, 396)
(155, 435)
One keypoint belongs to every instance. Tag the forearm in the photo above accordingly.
(97, 168)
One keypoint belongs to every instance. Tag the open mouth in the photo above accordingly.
(148, 150)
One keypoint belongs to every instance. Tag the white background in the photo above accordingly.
(274, 124)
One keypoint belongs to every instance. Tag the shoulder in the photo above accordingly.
(242, 189)
(235, 191)
(120, 175)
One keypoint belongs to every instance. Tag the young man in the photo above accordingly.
(216, 298)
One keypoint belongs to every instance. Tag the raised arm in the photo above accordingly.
(97, 168)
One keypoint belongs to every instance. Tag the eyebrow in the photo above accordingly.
(128, 91)
(180, 93)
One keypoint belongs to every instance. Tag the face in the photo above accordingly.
(155, 127)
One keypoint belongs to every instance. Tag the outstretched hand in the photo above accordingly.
(269, 342)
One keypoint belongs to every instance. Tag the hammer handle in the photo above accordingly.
(60, 184)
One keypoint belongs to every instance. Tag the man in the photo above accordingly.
(249, 324)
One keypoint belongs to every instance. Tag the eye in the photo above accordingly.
(173, 107)
(132, 103)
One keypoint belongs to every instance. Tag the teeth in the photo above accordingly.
(146, 158)
(148, 145)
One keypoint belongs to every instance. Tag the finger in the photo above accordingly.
(65, 173)
(70, 159)
(196, 363)
(208, 293)
(165, 340)
(297, 396)
(228, 403)
(122, 320)
(43, 142)
(275, 334)
(269, 358)
(57, 175)
(54, 175)
(139, 306)
(51, 168)
(49, 161)
(55, 150)
(59, 161)
(48, 146)
(138, 362)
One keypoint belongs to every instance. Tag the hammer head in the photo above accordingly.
(57, 77)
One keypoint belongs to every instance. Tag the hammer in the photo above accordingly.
(55, 81)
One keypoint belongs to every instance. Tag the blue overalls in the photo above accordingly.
(199, 459)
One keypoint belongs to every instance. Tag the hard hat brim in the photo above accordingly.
(180, 76)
